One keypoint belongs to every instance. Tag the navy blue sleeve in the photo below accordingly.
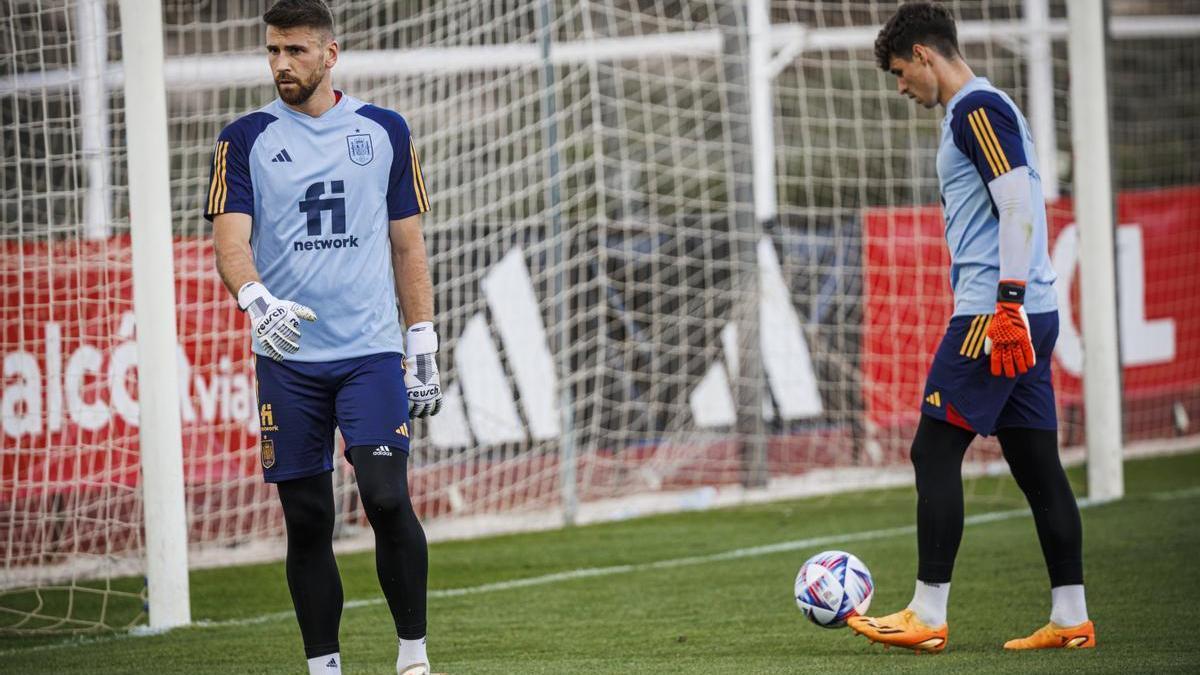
(406, 195)
(986, 130)
(230, 188)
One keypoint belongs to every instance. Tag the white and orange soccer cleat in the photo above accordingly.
(1052, 636)
(902, 629)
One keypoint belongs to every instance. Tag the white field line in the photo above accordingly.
(817, 482)
(591, 572)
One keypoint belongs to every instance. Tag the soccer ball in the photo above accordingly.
(833, 586)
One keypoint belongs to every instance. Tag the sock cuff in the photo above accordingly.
(414, 631)
(1065, 573)
(934, 573)
(327, 649)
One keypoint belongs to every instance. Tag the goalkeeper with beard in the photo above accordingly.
(316, 202)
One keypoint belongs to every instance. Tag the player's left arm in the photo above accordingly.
(410, 263)
(987, 131)
(414, 289)
(407, 199)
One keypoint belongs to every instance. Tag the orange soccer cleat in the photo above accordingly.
(902, 629)
(1052, 636)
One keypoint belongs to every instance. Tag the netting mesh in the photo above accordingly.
(608, 297)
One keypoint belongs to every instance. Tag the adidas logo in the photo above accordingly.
(333, 661)
(282, 156)
(382, 451)
(934, 399)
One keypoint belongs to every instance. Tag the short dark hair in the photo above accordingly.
(926, 23)
(300, 14)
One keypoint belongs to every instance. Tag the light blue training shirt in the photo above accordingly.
(984, 136)
(321, 191)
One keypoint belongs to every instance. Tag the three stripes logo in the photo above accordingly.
(282, 156)
(418, 179)
(934, 399)
(986, 137)
(976, 336)
(218, 190)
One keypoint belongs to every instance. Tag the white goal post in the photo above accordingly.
(1097, 256)
(160, 430)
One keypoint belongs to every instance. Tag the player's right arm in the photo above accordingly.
(231, 248)
(275, 323)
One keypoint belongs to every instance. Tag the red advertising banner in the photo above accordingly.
(69, 405)
(68, 401)
(908, 302)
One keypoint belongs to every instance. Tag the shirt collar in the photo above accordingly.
(974, 84)
(340, 105)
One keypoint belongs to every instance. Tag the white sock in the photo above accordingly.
(330, 664)
(411, 651)
(929, 602)
(1067, 606)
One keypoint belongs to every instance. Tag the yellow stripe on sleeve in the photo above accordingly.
(987, 127)
(418, 179)
(983, 143)
(223, 191)
(212, 188)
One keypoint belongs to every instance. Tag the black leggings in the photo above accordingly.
(1032, 456)
(401, 556)
(312, 573)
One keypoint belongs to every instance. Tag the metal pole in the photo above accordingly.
(1093, 197)
(762, 108)
(748, 386)
(92, 53)
(559, 255)
(1040, 69)
(159, 434)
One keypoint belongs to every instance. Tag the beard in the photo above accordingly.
(303, 89)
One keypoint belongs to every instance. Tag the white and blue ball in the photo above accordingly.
(833, 586)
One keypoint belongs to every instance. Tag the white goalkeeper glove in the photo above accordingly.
(421, 372)
(274, 323)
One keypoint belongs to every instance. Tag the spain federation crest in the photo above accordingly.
(268, 453)
(361, 152)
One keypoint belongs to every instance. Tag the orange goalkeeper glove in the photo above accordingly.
(1009, 341)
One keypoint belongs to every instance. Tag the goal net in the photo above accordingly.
(623, 330)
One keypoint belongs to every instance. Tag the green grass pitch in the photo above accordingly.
(709, 613)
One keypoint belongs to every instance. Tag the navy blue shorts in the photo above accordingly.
(962, 390)
(299, 404)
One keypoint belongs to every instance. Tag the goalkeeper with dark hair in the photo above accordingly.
(991, 373)
(316, 202)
